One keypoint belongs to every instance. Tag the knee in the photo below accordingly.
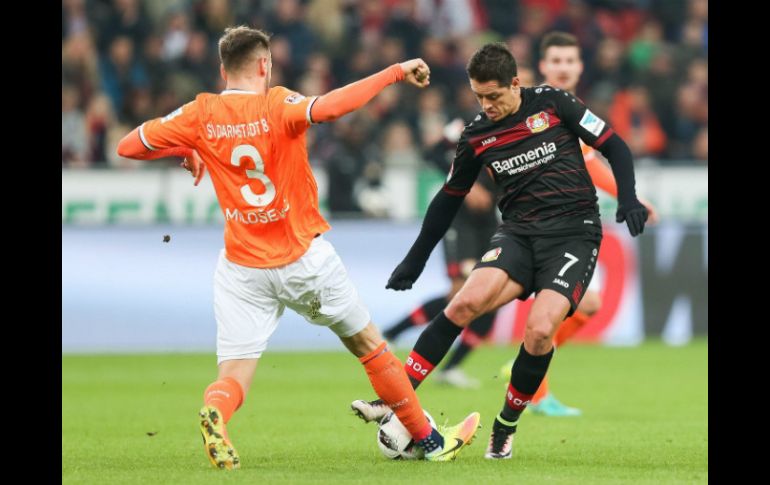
(364, 342)
(465, 307)
(541, 325)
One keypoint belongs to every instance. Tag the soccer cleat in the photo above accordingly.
(550, 406)
(456, 378)
(456, 438)
(500, 445)
(218, 447)
(370, 410)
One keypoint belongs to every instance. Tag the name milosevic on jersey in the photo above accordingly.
(254, 148)
(535, 158)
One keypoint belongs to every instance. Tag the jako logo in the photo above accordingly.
(561, 282)
(416, 366)
(488, 140)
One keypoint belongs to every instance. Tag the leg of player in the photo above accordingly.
(481, 293)
(420, 316)
(390, 383)
(529, 368)
(544, 402)
(485, 290)
(470, 338)
(220, 400)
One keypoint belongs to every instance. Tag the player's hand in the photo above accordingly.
(635, 216)
(652, 212)
(405, 275)
(416, 72)
(195, 165)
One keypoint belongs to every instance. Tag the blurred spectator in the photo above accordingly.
(451, 18)
(521, 47)
(578, 19)
(692, 108)
(74, 143)
(644, 47)
(212, 17)
(404, 25)
(328, 23)
(609, 65)
(73, 19)
(120, 72)
(502, 16)
(158, 69)
(79, 66)
(398, 147)
(126, 19)
(287, 22)
(176, 36)
(633, 119)
(196, 63)
(99, 120)
(432, 116)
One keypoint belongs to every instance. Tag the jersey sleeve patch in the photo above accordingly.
(293, 98)
(592, 123)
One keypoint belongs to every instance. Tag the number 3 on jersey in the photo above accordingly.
(258, 173)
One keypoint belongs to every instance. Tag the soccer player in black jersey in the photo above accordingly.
(549, 239)
(465, 241)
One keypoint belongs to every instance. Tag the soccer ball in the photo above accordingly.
(394, 440)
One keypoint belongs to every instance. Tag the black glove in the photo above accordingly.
(405, 274)
(635, 216)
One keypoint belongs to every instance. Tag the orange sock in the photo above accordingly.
(390, 382)
(541, 392)
(569, 327)
(226, 394)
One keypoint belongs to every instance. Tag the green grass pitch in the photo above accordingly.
(645, 420)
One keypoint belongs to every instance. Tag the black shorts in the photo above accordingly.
(564, 264)
(466, 241)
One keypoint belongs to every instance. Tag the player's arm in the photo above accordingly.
(170, 136)
(598, 134)
(601, 176)
(349, 98)
(295, 113)
(438, 218)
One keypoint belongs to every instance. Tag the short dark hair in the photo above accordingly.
(240, 44)
(557, 39)
(493, 62)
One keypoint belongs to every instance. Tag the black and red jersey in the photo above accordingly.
(535, 158)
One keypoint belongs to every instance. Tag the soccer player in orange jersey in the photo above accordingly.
(561, 66)
(251, 138)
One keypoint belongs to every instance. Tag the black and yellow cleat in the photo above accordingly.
(218, 448)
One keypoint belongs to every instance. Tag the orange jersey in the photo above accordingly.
(254, 149)
(601, 175)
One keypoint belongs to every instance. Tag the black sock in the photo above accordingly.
(501, 424)
(526, 375)
(420, 316)
(433, 344)
(473, 336)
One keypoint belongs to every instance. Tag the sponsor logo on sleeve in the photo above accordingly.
(491, 255)
(293, 98)
(592, 123)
